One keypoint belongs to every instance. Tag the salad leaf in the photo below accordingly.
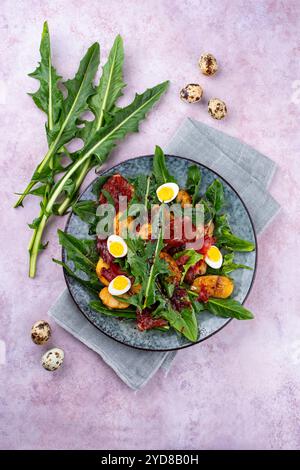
(125, 120)
(194, 257)
(221, 224)
(160, 171)
(169, 287)
(229, 265)
(99, 183)
(82, 253)
(193, 182)
(144, 263)
(226, 239)
(228, 308)
(98, 306)
(158, 266)
(209, 211)
(48, 97)
(185, 322)
(79, 89)
(93, 285)
(215, 195)
(102, 104)
(86, 210)
(144, 191)
(234, 243)
(137, 260)
(108, 197)
(198, 306)
(110, 85)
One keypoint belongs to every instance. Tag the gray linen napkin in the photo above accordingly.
(248, 171)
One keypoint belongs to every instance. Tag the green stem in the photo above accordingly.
(39, 168)
(34, 251)
(66, 203)
(24, 194)
(36, 242)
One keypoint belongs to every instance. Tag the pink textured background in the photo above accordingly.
(241, 388)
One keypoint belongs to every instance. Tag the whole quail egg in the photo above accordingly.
(192, 93)
(208, 64)
(40, 332)
(217, 108)
(53, 359)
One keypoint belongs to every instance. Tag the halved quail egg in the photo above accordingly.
(119, 285)
(167, 192)
(117, 246)
(214, 257)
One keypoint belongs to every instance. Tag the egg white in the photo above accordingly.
(118, 239)
(173, 186)
(214, 264)
(113, 291)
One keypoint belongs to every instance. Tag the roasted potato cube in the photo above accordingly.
(100, 265)
(175, 274)
(183, 198)
(110, 301)
(123, 226)
(215, 286)
(209, 229)
(145, 231)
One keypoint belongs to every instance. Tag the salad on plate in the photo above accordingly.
(159, 254)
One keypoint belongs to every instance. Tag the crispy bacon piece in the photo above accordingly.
(177, 236)
(207, 243)
(145, 321)
(182, 260)
(203, 295)
(180, 299)
(113, 269)
(103, 251)
(117, 186)
(197, 270)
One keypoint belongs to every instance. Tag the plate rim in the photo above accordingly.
(254, 269)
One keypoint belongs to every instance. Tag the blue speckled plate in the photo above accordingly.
(125, 331)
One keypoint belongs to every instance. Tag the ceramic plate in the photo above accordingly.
(125, 331)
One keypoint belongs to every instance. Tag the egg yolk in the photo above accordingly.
(213, 253)
(116, 248)
(120, 282)
(164, 194)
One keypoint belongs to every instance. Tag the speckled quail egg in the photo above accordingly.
(53, 359)
(192, 93)
(217, 108)
(208, 64)
(40, 332)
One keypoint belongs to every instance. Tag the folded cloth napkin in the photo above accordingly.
(248, 171)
